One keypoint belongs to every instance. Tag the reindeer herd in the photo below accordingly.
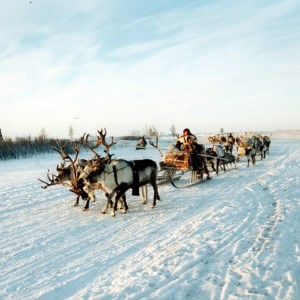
(248, 144)
(114, 177)
(111, 176)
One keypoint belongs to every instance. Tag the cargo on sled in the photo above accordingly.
(178, 166)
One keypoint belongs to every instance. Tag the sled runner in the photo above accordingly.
(140, 147)
(165, 176)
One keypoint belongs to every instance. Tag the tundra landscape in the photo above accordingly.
(236, 236)
(165, 73)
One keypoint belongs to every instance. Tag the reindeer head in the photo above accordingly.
(67, 174)
(52, 180)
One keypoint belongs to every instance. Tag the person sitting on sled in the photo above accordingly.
(183, 139)
(198, 162)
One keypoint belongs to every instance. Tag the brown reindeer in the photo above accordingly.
(68, 175)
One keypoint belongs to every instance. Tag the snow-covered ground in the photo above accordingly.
(234, 237)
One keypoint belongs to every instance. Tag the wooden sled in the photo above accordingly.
(140, 147)
(177, 167)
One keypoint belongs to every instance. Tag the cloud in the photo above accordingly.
(207, 65)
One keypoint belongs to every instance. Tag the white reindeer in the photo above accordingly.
(118, 175)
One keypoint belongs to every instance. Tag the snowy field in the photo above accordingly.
(234, 237)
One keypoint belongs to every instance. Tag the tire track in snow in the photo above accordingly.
(255, 262)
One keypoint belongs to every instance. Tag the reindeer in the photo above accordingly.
(217, 156)
(95, 164)
(249, 147)
(214, 139)
(212, 159)
(262, 144)
(267, 142)
(251, 151)
(68, 175)
(118, 175)
(230, 140)
(227, 141)
(251, 155)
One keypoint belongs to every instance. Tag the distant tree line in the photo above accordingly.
(149, 132)
(24, 147)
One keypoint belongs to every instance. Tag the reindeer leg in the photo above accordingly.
(92, 196)
(213, 167)
(77, 201)
(87, 205)
(108, 201)
(224, 167)
(156, 195)
(120, 193)
(115, 207)
(144, 194)
(218, 164)
(123, 199)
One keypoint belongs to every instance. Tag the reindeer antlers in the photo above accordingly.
(62, 153)
(100, 141)
(51, 180)
(102, 137)
(84, 142)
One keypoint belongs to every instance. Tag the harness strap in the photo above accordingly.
(115, 175)
(135, 185)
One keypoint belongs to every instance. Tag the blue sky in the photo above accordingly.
(125, 65)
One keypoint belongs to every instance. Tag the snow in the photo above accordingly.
(234, 237)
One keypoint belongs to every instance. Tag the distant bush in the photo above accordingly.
(24, 147)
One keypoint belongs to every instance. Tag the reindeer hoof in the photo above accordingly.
(85, 209)
(103, 212)
(144, 202)
(74, 205)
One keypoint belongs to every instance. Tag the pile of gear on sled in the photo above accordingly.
(186, 156)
